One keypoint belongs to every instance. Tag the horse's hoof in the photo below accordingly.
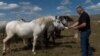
(34, 53)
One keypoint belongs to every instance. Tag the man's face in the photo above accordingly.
(79, 11)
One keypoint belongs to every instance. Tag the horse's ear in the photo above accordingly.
(55, 17)
(61, 17)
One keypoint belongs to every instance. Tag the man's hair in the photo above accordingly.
(79, 7)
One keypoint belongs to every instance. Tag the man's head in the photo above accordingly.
(80, 10)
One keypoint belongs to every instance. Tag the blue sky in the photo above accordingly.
(29, 9)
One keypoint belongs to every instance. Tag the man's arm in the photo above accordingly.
(81, 25)
(74, 25)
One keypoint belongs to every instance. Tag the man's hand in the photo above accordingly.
(75, 27)
(66, 28)
(71, 27)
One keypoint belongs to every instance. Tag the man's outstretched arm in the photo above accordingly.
(74, 25)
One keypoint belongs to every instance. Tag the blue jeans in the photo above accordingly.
(85, 46)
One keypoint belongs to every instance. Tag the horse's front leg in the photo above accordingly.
(53, 37)
(34, 43)
(76, 35)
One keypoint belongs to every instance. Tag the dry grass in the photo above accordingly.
(65, 45)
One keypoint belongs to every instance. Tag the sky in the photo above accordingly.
(30, 9)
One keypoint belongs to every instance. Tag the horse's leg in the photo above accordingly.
(57, 32)
(6, 43)
(25, 42)
(29, 42)
(34, 43)
(3, 34)
(76, 35)
(53, 37)
(46, 39)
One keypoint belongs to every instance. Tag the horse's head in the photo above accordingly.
(57, 23)
(65, 20)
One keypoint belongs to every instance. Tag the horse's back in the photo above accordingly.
(11, 23)
(11, 26)
(19, 28)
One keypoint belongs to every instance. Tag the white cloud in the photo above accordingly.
(62, 10)
(27, 9)
(88, 1)
(94, 7)
(25, 3)
(30, 9)
(8, 6)
(2, 14)
(65, 2)
(21, 9)
(36, 8)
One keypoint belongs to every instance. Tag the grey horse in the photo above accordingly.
(53, 32)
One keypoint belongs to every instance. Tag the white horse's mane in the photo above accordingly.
(44, 20)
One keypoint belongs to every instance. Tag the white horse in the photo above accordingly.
(29, 29)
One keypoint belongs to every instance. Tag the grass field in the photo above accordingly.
(65, 45)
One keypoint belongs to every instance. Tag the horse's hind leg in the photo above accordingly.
(25, 42)
(6, 43)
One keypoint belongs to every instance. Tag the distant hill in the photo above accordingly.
(93, 17)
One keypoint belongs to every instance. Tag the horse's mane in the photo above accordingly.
(44, 20)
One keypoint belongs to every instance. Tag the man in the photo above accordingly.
(83, 25)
